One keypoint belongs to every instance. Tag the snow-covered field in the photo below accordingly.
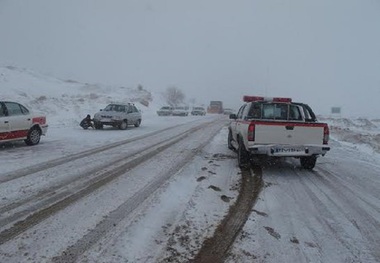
(162, 210)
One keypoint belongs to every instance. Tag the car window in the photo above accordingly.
(245, 112)
(275, 111)
(240, 113)
(134, 109)
(14, 109)
(255, 111)
(308, 116)
(24, 110)
(2, 110)
(109, 107)
(294, 113)
(281, 111)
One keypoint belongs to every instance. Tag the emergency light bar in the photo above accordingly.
(269, 99)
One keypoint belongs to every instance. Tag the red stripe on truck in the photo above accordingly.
(282, 123)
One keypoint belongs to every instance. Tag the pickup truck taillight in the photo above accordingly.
(326, 134)
(251, 132)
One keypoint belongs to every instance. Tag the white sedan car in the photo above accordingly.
(118, 115)
(18, 123)
(180, 111)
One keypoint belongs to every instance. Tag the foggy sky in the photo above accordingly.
(325, 53)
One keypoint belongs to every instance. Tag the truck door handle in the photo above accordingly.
(6, 121)
(289, 127)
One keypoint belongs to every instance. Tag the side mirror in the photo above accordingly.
(233, 116)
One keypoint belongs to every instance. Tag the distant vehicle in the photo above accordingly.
(180, 111)
(18, 123)
(215, 107)
(165, 111)
(118, 115)
(198, 111)
(228, 111)
(277, 127)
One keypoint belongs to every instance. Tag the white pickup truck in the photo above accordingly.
(277, 127)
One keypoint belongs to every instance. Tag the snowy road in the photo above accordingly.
(330, 214)
(160, 192)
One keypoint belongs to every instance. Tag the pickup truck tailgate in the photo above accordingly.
(289, 133)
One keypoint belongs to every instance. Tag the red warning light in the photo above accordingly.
(252, 98)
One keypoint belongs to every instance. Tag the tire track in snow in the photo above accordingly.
(103, 178)
(353, 207)
(214, 249)
(72, 253)
(53, 163)
(54, 193)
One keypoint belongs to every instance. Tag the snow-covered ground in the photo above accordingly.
(167, 211)
(162, 210)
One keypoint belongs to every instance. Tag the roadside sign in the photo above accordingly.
(335, 110)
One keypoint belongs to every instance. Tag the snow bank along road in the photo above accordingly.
(177, 195)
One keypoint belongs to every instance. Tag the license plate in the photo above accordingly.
(287, 150)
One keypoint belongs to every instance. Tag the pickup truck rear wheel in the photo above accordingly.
(243, 155)
(229, 141)
(308, 162)
(34, 136)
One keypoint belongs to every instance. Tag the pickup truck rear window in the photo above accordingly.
(275, 111)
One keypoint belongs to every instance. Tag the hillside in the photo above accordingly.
(65, 100)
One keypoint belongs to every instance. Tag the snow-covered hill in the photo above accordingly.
(360, 132)
(67, 100)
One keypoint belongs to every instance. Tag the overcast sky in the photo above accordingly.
(323, 52)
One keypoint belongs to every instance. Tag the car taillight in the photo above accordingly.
(39, 120)
(326, 134)
(251, 132)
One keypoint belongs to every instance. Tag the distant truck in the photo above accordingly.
(277, 127)
(215, 107)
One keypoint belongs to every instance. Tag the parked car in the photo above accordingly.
(180, 111)
(18, 123)
(198, 111)
(118, 115)
(228, 111)
(165, 111)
